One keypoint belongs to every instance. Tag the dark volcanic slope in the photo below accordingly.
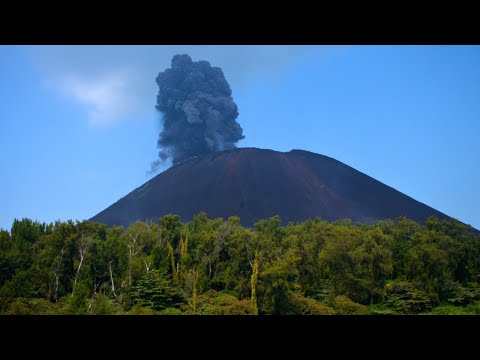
(256, 184)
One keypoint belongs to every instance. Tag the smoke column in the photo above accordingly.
(199, 114)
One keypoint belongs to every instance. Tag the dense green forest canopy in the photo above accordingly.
(213, 266)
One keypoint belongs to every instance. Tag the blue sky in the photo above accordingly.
(78, 127)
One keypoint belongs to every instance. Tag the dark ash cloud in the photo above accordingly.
(199, 114)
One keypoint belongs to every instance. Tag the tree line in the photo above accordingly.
(217, 266)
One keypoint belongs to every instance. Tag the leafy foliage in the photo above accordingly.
(216, 266)
(459, 295)
(344, 306)
(156, 292)
(220, 303)
(405, 298)
(306, 306)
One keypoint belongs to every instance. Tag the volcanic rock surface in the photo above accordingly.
(255, 184)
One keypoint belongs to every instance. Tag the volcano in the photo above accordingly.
(255, 184)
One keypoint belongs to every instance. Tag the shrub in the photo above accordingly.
(456, 294)
(101, 305)
(405, 298)
(219, 303)
(19, 307)
(344, 306)
(300, 305)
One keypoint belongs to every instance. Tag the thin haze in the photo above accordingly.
(117, 83)
(79, 126)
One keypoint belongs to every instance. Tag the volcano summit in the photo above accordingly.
(255, 184)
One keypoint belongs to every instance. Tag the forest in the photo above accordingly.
(217, 267)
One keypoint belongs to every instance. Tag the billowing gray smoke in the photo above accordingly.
(199, 115)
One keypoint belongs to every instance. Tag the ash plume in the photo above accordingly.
(199, 114)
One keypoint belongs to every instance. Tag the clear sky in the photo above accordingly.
(78, 127)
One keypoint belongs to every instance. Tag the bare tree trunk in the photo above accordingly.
(56, 276)
(148, 267)
(192, 279)
(82, 251)
(111, 279)
(57, 285)
(206, 260)
(76, 275)
(131, 253)
(172, 262)
(95, 287)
